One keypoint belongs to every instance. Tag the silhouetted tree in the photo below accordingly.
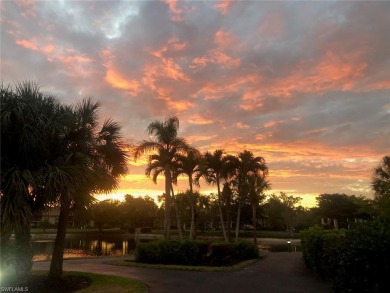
(164, 139)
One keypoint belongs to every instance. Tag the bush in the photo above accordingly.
(221, 253)
(365, 263)
(203, 249)
(320, 249)
(168, 252)
(148, 252)
(357, 260)
(194, 252)
(246, 250)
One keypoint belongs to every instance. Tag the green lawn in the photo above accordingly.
(112, 284)
(78, 282)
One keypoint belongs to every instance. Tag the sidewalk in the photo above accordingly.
(278, 272)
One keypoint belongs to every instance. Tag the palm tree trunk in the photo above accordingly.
(254, 223)
(238, 220)
(221, 213)
(228, 217)
(23, 252)
(192, 203)
(167, 220)
(177, 215)
(56, 265)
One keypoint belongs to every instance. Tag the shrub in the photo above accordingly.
(168, 252)
(246, 250)
(194, 252)
(357, 260)
(148, 252)
(365, 263)
(203, 249)
(320, 249)
(221, 253)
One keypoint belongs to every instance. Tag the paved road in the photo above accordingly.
(277, 272)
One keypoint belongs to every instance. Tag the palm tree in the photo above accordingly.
(164, 139)
(96, 159)
(156, 166)
(214, 170)
(257, 185)
(189, 165)
(247, 165)
(30, 123)
(381, 179)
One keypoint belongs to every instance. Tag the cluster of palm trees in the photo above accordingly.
(51, 155)
(172, 156)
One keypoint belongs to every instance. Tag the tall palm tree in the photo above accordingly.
(247, 165)
(156, 166)
(189, 165)
(164, 139)
(257, 185)
(214, 170)
(30, 123)
(99, 158)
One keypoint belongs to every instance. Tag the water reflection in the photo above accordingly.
(84, 247)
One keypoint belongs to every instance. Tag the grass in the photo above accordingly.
(112, 284)
(79, 282)
(133, 263)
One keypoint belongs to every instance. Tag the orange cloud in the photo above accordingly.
(27, 44)
(172, 70)
(224, 39)
(176, 12)
(197, 119)
(272, 123)
(196, 138)
(242, 125)
(224, 6)
(75, 58)
(180, 105)
(215, 56)
(117, 80)
(379, 85)
(173, 45)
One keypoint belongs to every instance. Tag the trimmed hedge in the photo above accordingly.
(194, 252)
(167, 252)
(356, 260)
(320, 249)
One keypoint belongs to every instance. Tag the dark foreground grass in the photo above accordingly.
(132, 263)
(76, 282)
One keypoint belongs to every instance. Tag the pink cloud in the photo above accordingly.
(27, 44)
(177, 9)
(224, 39)
(224, 6)
(117, 80)
(198, 119)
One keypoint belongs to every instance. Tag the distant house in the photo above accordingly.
(49, 215)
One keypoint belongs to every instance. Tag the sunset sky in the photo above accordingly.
(303, 84)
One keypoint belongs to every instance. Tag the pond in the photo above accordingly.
(122, 244)
(85, 246)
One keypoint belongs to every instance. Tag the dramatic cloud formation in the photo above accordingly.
(303, 83)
